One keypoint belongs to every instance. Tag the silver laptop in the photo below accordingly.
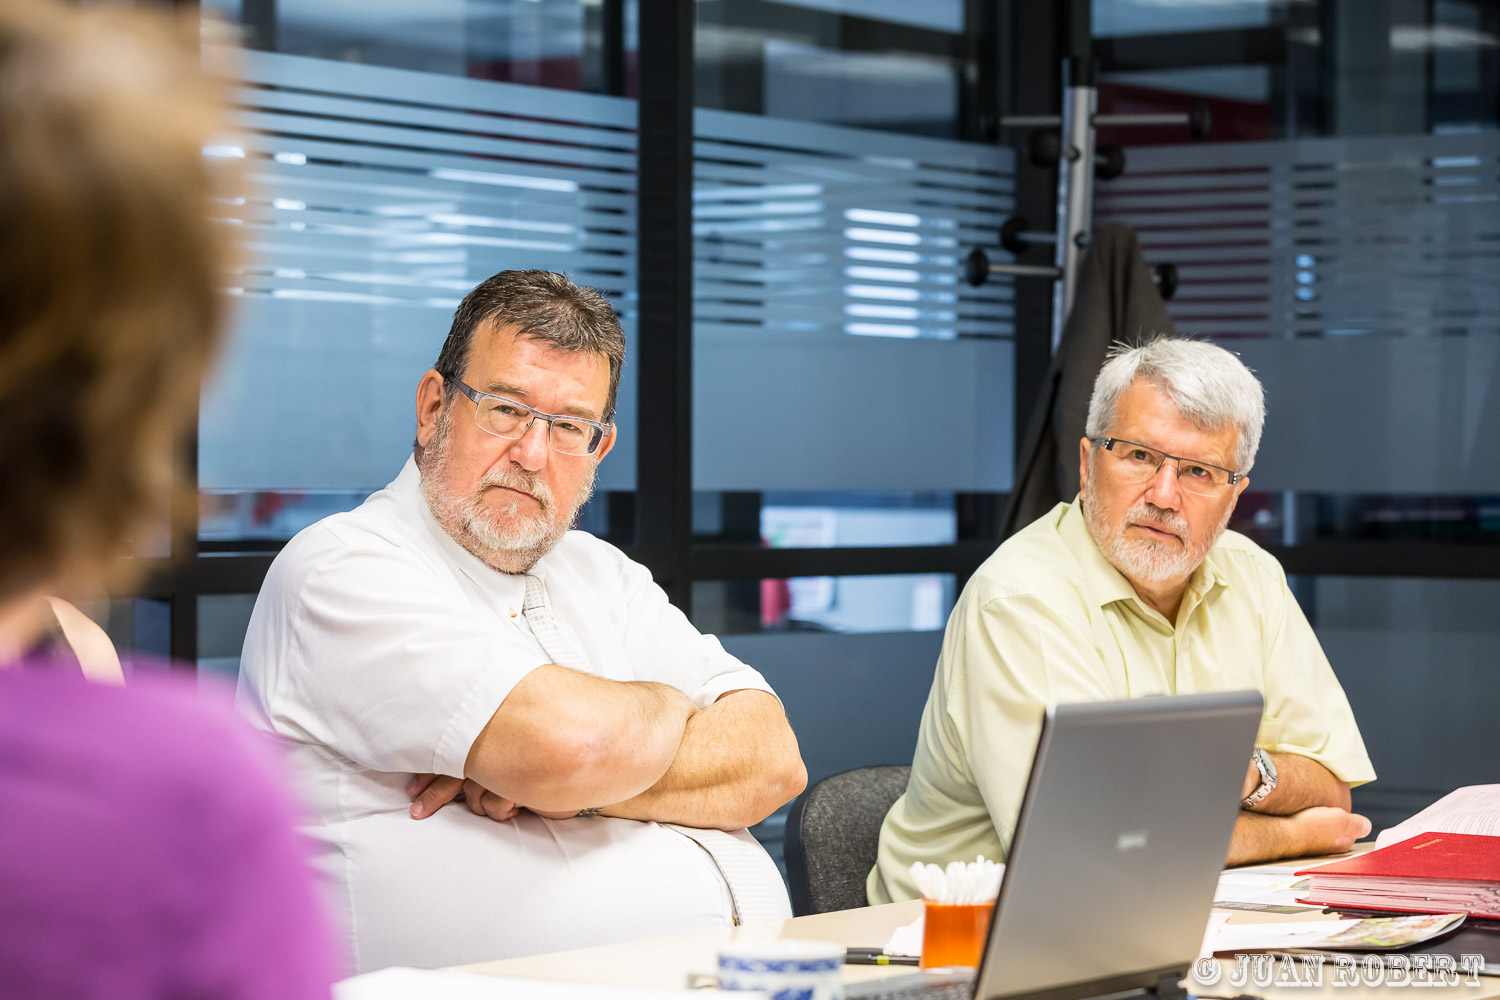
(1121, 837)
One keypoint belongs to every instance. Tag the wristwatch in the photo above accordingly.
(1267, 768)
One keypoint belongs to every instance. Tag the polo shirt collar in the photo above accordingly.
(1106, 585)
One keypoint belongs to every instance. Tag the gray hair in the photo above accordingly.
(547, 307)
(1210, 386)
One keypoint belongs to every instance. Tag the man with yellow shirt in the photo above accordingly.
(1133, 589)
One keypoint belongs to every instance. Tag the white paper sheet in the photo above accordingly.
(1354, 935)
(422, 984)
(1272, 888)
(906, 940)
(1265, 937)
(1471, 809)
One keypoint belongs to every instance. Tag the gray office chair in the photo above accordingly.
(831, 835)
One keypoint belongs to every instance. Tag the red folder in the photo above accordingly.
(1430, 873)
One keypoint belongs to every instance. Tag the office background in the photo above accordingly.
(819, 417)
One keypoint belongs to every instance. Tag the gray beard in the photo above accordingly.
(1142, 558)
(468, 520)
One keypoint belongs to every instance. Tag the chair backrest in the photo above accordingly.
(832, 834)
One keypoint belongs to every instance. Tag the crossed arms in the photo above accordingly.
(563, 741)
(1306, 814)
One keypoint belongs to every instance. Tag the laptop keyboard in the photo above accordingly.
(926, 991)
(922, 986)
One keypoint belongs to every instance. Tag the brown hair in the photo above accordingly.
(546, 307)
(109, 268)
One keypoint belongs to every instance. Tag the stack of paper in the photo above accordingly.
(1267, 888)
(1471, 809)
(1430, 873)
(1381, 934)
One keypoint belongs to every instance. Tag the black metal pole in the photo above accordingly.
(182, 600)
(1076, 35)
(664, 265)
(259, 19)
(612, 31)
(1035, 87)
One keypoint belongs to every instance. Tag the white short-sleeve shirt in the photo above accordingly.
(379, 647)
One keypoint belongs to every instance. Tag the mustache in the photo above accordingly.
(1147, 514)
(514, 477)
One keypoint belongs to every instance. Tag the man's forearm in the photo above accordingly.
(1316, 831)
(738, 762)
(564, 741)
(1301, 783)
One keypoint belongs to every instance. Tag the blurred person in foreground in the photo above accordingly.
(145, 847)
(1134, 588)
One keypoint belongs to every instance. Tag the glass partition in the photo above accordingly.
(560, 44)
(1416, 658)
(380, 197)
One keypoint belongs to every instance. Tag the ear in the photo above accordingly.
(607, 444)
(1084, 445)
(429, 405)
(1239, 488)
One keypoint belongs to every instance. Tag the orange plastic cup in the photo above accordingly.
(954, 935)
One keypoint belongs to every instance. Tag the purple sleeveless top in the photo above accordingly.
(146, 849)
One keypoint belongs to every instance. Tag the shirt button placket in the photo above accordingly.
(1183, 665)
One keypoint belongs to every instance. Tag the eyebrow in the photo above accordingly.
(517, 393)
(1205, 461)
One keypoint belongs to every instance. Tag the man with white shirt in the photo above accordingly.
(451, 637)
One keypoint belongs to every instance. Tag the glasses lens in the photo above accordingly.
(1204, 480)
(572, 438)
(1137, 462)
(503, 418)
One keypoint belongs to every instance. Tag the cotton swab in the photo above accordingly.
(959, 884)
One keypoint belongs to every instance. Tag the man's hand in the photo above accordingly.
(430, 792)
(1301, 783)
(1308, 833)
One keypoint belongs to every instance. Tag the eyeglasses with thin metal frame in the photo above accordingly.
(1140, 462)
(509, 419)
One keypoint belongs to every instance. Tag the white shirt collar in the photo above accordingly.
(509, 588)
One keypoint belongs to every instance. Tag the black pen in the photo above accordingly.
(876, 956)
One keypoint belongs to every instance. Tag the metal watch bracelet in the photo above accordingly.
(1267, 768)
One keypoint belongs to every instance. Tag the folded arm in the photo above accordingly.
(738, 763)
(1305, 815)
(1301, 783)
(1311, 832)
(564, 740)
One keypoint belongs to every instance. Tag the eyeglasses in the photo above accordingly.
(1137, 463)
(506, 418)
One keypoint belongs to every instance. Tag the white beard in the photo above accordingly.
(1146, 559)
(473, 524)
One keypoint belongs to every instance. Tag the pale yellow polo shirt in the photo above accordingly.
(1047, 619)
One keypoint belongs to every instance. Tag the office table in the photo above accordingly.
(669, 961)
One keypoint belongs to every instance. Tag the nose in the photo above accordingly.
(1163, 490)
(531, 449)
